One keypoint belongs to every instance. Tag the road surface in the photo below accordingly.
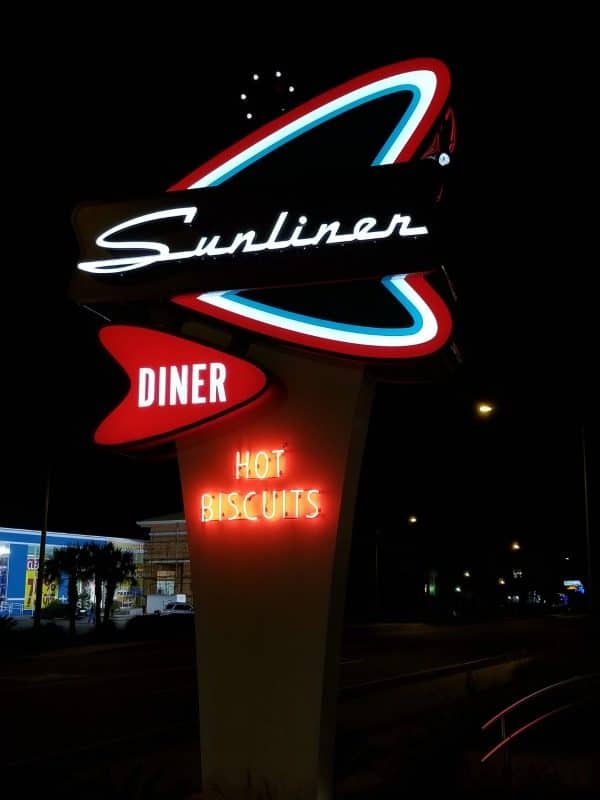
(114, 716)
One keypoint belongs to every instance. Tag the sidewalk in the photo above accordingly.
(82, 625)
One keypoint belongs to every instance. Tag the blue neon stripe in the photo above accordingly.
(368, 99)
(398, 129)
(408, 306)
(417, 325)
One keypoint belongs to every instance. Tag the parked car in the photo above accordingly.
(178, 608)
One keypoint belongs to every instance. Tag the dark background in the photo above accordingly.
(111, 111)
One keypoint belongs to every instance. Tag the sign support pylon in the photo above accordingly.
(270, 593)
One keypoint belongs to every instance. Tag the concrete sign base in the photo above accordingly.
(269, 503)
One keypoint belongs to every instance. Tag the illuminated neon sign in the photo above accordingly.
(258, 503)
(174, 384)
(363, 230)
(426, 79)
(429, 82)
(206, 250)
(430, 328)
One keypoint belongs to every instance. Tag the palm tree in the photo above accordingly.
(74, 562)
(118, 566)
(100, 557)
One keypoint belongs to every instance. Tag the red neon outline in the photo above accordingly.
(417, 281)
(440, 96)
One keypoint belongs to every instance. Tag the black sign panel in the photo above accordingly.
(344, 226)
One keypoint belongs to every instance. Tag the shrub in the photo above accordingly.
(55, 610)
(6, 625)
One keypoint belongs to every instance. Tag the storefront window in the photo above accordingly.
(4, 555)
(165, 581)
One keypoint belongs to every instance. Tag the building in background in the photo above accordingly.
(166, 557)
(19, 559)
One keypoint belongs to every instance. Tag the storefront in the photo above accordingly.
(19, 558)
(166, 557)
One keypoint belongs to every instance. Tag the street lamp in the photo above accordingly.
(485, 409)
(412, 520)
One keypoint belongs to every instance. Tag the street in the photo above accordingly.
(126, 713)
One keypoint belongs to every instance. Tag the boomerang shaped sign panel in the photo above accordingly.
(428, 82)
(212, 251)
(174, 384)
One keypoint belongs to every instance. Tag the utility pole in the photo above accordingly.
(37, 613)
(377, 592)
(586, 508)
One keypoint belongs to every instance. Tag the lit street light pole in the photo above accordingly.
(586, 509)
(377, 573)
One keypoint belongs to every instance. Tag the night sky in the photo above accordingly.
(127, 117)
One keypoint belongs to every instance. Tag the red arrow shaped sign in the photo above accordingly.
(175, 384)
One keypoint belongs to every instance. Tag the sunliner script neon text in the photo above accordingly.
(364, 230)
